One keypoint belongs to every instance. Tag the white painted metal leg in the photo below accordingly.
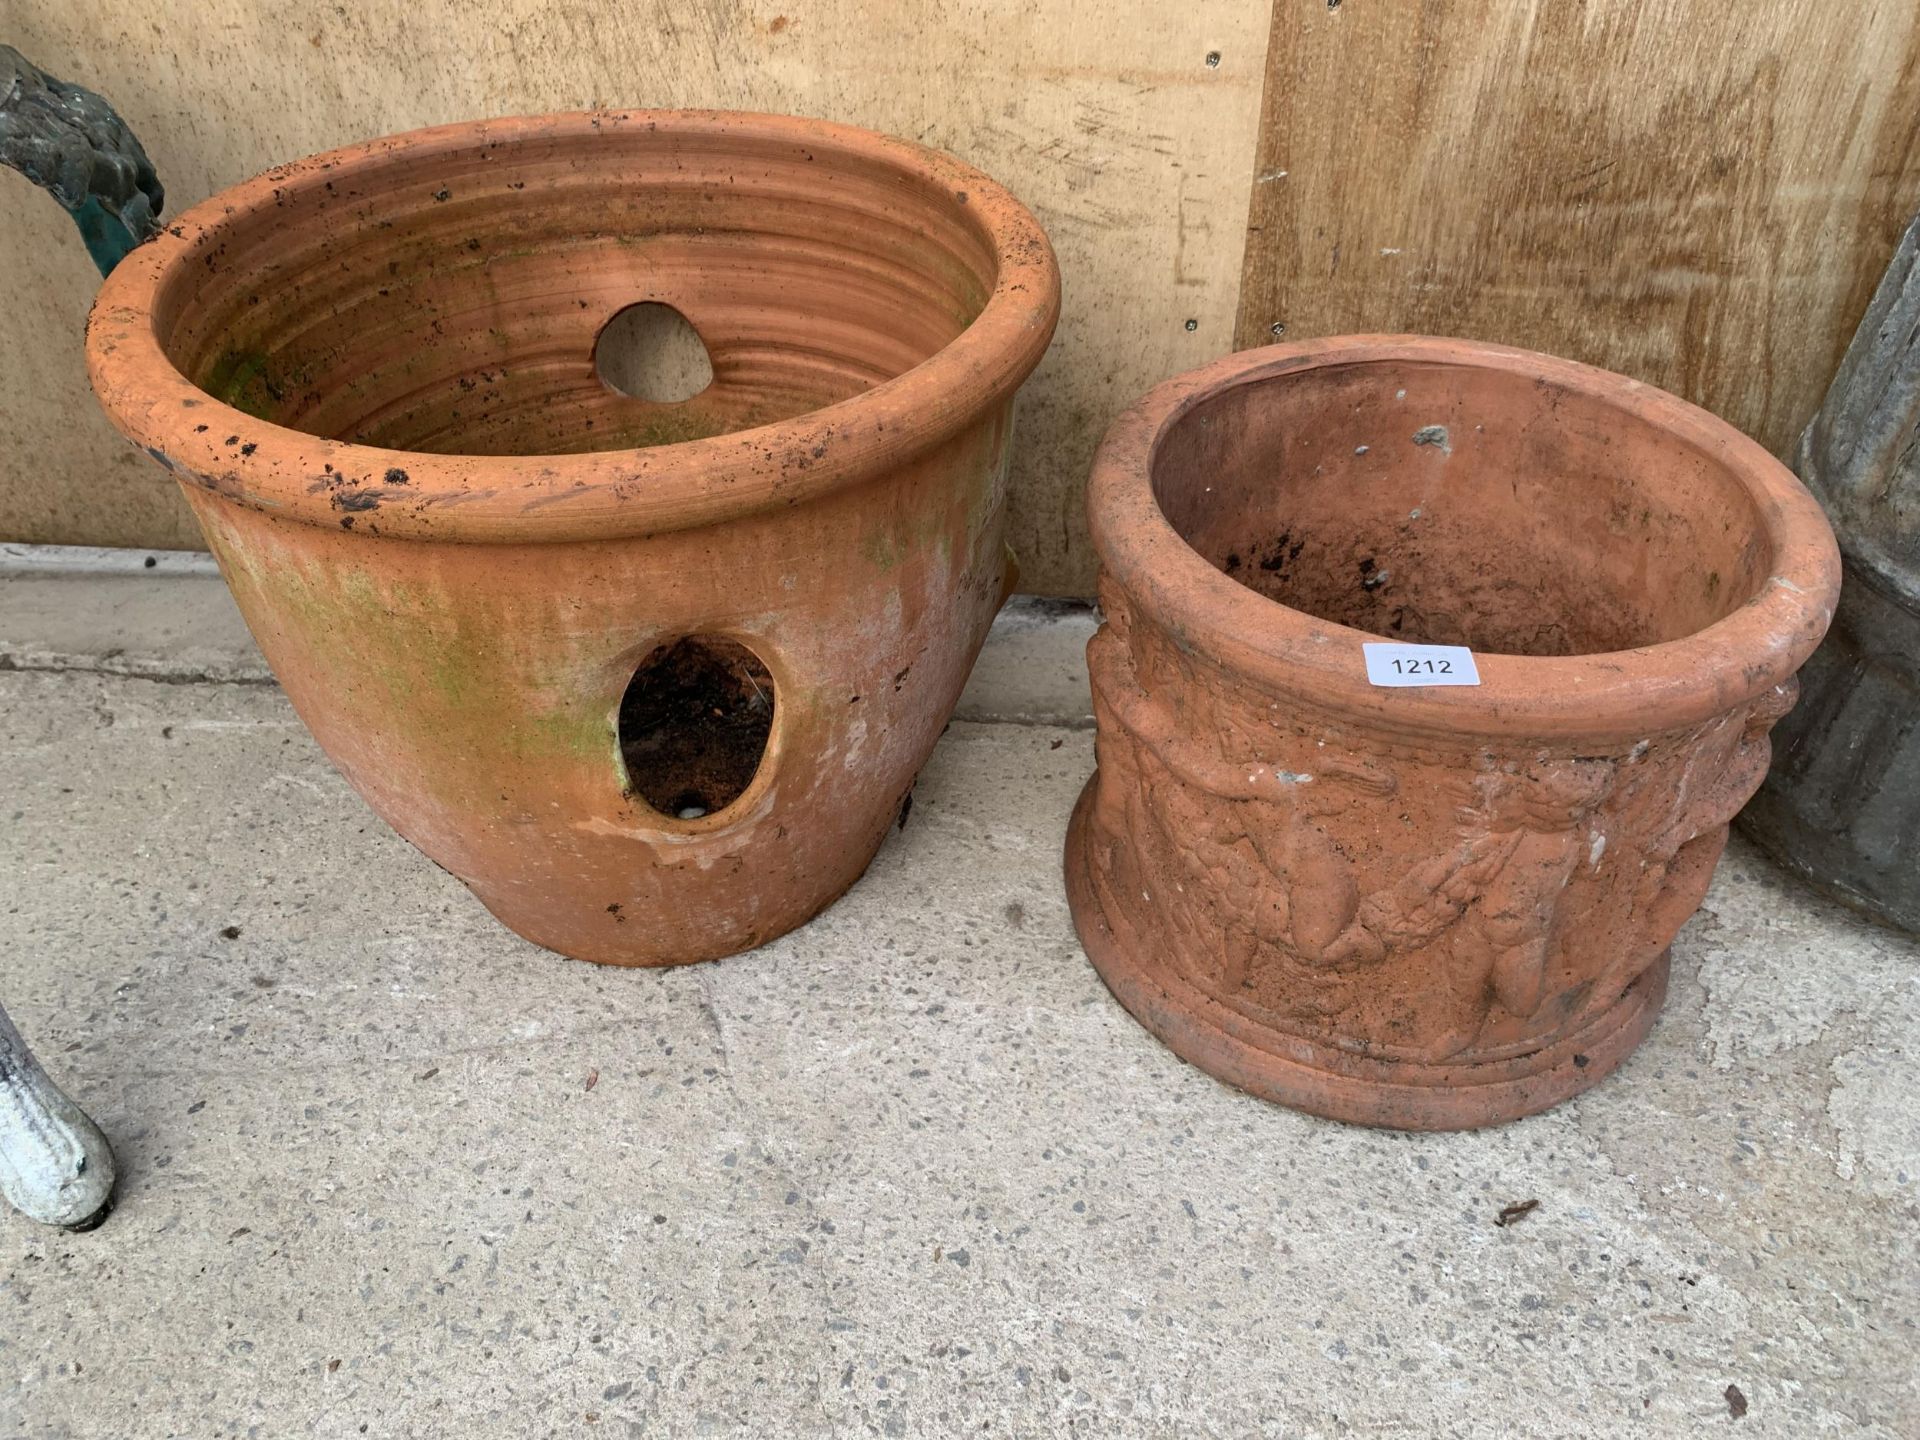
(55, 1165)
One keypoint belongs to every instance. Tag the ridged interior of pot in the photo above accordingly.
(451, 299)
(1451, 504)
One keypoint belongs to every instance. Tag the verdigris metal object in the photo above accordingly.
(1842, 804)
(68, 141)
(55, 1165)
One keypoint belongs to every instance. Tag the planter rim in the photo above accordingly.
(589, 495)
(1602, 696)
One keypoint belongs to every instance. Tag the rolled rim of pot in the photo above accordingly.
(984, 236)
(1754, 647)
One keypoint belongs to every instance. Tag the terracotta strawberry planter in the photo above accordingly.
(650, 671)
(1427, 907)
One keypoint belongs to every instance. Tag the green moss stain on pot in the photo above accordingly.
(996, 465)
(668, 427)
(884, 549)
(240, 378)
(578, 733)
(463, 657)
(888, 547)
(440, 666)
(895, 538)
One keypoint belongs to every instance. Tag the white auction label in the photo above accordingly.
(1392, 664)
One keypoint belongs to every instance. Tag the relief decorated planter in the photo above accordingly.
(1424, 907)
(650, 672)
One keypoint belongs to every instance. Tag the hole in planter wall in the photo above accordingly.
(694, 724)
(650, 352)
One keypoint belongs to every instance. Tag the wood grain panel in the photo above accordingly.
(1103, 115)
(1700, 193)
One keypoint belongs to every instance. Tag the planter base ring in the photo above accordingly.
(1428, 1097)
(728, 934)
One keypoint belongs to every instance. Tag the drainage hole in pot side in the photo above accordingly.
(694, 724)
(650, 352)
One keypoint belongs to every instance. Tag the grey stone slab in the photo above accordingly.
(83, 608)
(908, 1171)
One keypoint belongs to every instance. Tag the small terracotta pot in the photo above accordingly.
(651, 675)
(1427, 908)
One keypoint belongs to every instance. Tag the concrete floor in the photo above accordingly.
(389, 1171)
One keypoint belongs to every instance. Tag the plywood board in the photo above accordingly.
(1103, 115)
(1700, 193)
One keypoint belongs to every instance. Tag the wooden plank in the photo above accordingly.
(1700, 193)
(1103, 115)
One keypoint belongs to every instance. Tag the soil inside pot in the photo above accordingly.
(1450, 505)
(694, 724)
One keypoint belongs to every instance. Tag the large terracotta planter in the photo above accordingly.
(651, 676)
(1424, 907)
